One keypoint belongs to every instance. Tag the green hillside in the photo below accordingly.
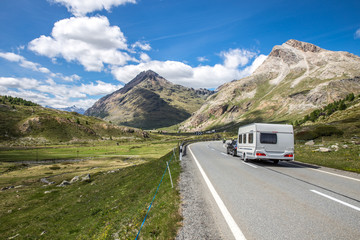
(21, 120)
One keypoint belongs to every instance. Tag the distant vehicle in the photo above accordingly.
(231, 148)
(261, 141)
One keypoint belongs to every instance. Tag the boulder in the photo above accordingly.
(75, 179)
(335, 147)
(64, 183)
(86, 178)
(323, 149)
(310, 143)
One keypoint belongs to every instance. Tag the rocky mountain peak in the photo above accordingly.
(303, 46)
(145, 75)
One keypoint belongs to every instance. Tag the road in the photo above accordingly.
(266, 201)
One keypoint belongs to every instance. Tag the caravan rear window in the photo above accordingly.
(269, 138)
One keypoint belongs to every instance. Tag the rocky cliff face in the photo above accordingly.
(149, 101)
(295, 78)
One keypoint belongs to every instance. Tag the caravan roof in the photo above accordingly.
(269, 127)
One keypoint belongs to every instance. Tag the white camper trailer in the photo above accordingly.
(260, 141)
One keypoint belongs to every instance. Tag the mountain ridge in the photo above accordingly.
(311, 75)
(149, 101)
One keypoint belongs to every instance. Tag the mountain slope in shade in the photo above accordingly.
(296, 78)
(149, 101)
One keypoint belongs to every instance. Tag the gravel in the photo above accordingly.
(196, 209)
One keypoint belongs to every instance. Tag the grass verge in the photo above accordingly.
(112, 205)
(347, 159)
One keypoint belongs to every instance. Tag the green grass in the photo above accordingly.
(344, 159)
(111, 148)
(113, 203)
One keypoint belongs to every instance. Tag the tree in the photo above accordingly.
(342, 106)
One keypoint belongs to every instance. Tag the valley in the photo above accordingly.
(65, 175)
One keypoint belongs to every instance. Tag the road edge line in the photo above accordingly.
(336, 200)
(237, 233)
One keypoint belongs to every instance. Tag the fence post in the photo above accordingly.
(172, 186)
(180, 152)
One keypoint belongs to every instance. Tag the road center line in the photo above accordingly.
(336, 200)
(228, 218)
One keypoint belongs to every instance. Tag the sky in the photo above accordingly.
(61, 53)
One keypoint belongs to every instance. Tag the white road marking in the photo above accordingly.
(249, 164)
(224, 154)
(336, 200)
(228, 218)
(338, 175)
(355, 179)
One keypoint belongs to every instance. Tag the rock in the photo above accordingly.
(43, 233)
(44, 180)
(345, 146)
(46, 192)
(20, 186)
(335, 147)
(310, 143)
(6, 188)
(64, 183)
(86, 178)
(323, 149)
(75, 179)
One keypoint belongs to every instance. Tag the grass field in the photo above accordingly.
(347, 159)
(110, 205)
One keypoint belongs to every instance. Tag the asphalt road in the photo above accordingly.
(267, 201)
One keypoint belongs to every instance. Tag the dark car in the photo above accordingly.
(232, 148)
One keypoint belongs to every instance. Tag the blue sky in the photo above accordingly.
(65, 52)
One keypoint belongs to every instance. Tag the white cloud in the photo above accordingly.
(144, 57)
(89, 40)
(142, 45)
(82, 7)
(12, 57)
(202, 59)
(197, 77)
(237, 57)
(256, 63)
(357, 34)
(22, 83)
(101, 88)
(49, 93)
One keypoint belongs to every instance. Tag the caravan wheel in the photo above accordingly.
(245, 158)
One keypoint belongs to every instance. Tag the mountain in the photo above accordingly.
(149, 101)
(70, 109)
(296, 78)
(26, 122)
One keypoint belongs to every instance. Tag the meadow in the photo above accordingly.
(111, 204)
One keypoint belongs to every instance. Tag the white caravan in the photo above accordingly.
(259, 141)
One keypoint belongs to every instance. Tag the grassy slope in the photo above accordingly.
(114, 203)
(55, 126)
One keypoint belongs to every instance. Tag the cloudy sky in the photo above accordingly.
(72, 52)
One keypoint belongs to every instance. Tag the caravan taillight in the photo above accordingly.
(260, 154)
(289, 155)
